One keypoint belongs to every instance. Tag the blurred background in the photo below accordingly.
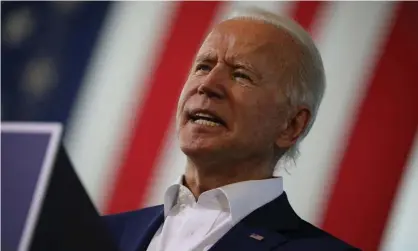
(111, 72)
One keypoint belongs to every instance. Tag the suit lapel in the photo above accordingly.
(263, 229)
(136, 237)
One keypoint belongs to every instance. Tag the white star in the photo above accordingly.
(18, 26)
(39, 77)
(66, 7)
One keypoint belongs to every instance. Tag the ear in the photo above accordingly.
(295, 127)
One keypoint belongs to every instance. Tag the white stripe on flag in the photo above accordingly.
(112, 90)
(402, 227)
(349, 40)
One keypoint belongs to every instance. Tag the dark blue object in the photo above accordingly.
(45, 50)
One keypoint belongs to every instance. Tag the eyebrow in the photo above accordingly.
(232, 61)
(244, 65)
(207, 56)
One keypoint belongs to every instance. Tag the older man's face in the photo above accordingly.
(232, 104)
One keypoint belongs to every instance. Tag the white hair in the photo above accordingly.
(309, 87)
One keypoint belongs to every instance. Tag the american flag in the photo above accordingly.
(112, 72)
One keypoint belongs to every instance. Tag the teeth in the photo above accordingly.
(203, 115)
(206, 123)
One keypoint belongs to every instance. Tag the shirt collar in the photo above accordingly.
(171, 195)
(243, 197)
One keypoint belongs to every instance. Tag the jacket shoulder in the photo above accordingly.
(311, 236)
(117, 223)
(122, 218)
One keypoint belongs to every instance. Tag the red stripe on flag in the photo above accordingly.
(305, 13)
(377, 150)
(153, 118)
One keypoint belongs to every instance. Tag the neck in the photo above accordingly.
(202, 177)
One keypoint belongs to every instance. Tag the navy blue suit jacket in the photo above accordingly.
(276, 221)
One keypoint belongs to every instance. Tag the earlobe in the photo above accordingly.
(294, 128)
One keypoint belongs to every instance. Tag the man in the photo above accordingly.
(251, 96)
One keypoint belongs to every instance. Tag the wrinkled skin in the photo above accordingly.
(238, 75)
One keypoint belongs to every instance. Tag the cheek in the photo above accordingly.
(185, 93)
(260, 116)
(181, 101)
(254, 113)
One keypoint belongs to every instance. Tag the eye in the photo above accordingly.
(203, 67)
(242, 75)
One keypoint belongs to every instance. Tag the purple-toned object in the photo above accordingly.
(28, 151)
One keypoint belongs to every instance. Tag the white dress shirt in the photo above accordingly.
(197, 226)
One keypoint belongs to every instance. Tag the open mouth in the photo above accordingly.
(206, 119)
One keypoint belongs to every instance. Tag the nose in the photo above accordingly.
(213, 86)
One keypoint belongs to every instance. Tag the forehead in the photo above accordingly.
(249, 38)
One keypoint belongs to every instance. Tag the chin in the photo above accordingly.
(194, 142)
(193, 147)
(200, 148)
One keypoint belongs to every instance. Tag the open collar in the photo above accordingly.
(242, 197)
